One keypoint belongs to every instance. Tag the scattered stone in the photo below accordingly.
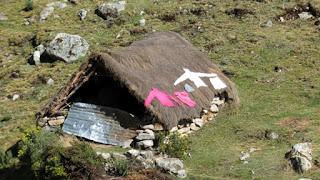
(304, 179)
(147, 154)
(67, 47)
(119, 156)
(142, 22)
(244, 156)
(172, 165)
(305, 15)
(3, 17)
(15, 97)
(182, 173)
(281, 19)
(184, 130)
(60, 5)
(50, 82)
(105, 156)
(57, 121)
(271, 135)
(45, 13)
(82, 14)
(110, 10)
(214, 108)
(145, 143)
(252, 149)
(133, 152)
(199, 122)
(267, 24)
(15, 74)
(146, 163)
(36, 57)
(145, 136)
(301, 157)
(174, 129)
(194, 127)
(158, 127)
(127, 143)
(217, 101)
(150, 126)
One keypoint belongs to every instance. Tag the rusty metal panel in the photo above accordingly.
(100, 124)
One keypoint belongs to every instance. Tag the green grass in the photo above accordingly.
(267, 97)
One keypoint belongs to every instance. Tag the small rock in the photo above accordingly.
(110, 10)
(36, 57)
(252, 149)
(56, 121)
(145, 136)
(15, 97)
(147, 154)
(271, 135)
(174, 129)
(199, 122)
(67, 47)
(146, 163)
(158, 127)
(172, 165)
(194, 127)
(184, 130)
(60, 5)
(267, 24)
(127, 143)
(182, 173)
(133, 152)
(244, 156)
(105, 156)
(305, 15)
(281, 19)
(45, 13)
(304, 179)
(3, 17)
(150, 126)
(119, 156)
(82, 14)
(50, 82)
(214, 108)
(217, 101)
(145, 143)
(142, 22)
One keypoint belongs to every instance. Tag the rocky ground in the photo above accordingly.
(268, 48)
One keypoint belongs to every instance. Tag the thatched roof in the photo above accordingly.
(156, 61)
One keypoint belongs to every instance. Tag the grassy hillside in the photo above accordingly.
(285, 102)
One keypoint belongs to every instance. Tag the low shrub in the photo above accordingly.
(173, 144)
(41, 152)
(29, 5)
(5, 159)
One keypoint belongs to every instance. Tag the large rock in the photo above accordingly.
(301, 157)
(110, 10)
(67, 47)
(172, 165)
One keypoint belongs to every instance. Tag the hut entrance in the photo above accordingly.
(103, 90)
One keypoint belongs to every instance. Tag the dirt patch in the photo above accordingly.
(239, 12)
(168, 17)
(293, 13)
(297, 124)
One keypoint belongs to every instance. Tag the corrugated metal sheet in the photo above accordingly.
(100, 124)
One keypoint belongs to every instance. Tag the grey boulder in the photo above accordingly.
(301, 157)
(67, 47)
(172, 165)
(110, 10)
